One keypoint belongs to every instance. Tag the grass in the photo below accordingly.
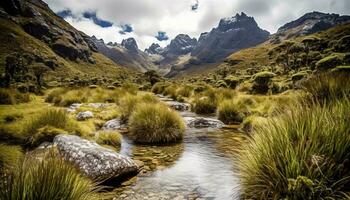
(11, 96)
(109, 138)
(9, 156)
(50, 178)
(302, 154)
(229, 113)
(156, 124)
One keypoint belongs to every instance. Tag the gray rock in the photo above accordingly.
(98, 105)
(84, 115)
(113, 124)
(202, 122)
(94, 160)
(73, 107)
(178, 106)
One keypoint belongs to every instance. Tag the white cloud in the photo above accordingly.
(147, 17)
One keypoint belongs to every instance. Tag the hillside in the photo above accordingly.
(40, 36)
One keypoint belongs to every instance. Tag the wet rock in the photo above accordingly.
(94, 160)
(202, 122)
(84, 115)
(178, 106)
(73, 107)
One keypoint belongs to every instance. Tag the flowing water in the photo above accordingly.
(201, 167)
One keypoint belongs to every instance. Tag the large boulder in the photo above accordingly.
(112, 125)
(94, 160)
(178, 106)
(202, 122)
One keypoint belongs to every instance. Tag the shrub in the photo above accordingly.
(329, 62)
(132, 88)
(6, 97)
(232, 81)
(156, 123)
(298, 76)
(55, 95)
(262, 82)
(185, 91)
(45, 134)
(229, 113)
(159, 87)
(221, 83)
(170, 91)
(341, 69)
(204, 105)
(9, 156)
(50, 178)
(302, 154)
(109, 138)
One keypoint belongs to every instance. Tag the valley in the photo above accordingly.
(237, 113)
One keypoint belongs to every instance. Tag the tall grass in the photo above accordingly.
(9, 156)
(302, 154)
(230, 112)
(50, 178)
(155, 123)
(109, 138)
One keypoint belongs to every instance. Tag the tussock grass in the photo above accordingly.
(159, 87)
(229, 112)
(109, 138)
(50, 178)
(302, 154)
(11, 96)
(156, 124)
(9, 156)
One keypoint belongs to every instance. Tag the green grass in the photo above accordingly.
(156, 124)
(9, 156)
(109, 138)
(229, 112)
(51, 178)
(11, 96)
(302, 154)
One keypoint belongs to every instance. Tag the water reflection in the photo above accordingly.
(202, 167)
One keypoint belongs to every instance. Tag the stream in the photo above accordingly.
(201, 167)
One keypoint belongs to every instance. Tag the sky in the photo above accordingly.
(159, 21)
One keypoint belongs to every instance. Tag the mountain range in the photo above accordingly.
(32, 28)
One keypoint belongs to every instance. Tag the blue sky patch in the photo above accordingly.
(161, 36)
(65, 13)
(126, 28)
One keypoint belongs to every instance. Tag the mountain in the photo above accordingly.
(127, 54)
(154, 49)
(231, 34)
(310, 23)
(180, 45)
(32, 29)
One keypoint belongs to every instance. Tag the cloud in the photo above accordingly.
(92, 15)
(161, 36)
(65, 13)
(147, 17)
(126, 28)
(195, 6)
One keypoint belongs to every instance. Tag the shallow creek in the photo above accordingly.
(201, 167)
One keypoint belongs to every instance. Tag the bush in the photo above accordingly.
(185, 91)
(329, 62)
(9, 156)
(109, 138)
(262, 82)
(232, 81)
(55, 95)
(6, 97)
(204, 105)
(156, 123)
(303, 154)
(298, 76)
(50, 178)
(170, 91)
(341, 69)
(159, 87)
(229, 113)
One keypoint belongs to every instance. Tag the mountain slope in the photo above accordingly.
(36, 32)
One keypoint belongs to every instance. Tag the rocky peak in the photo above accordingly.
(130, 44)
(112, 44)
(154, 49)
(236, 22)
(182, 44)
(313, 22)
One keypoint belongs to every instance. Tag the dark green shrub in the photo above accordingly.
(6, 97)
(262, 82)
(156, 124)
(298, 76)
(329, 62)
(232, 81)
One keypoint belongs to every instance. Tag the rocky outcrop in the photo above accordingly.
(178, 106)
(130, 44)
(232, 34)
(202, 122)
(112, 125)
(312, 22)
(84, 115)
(73, 107)
(93, 160)
(180, 45)
(154, 49)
